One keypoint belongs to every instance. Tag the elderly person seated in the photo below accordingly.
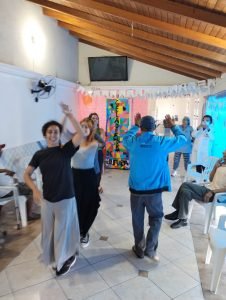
(7, 178)
(189, 191)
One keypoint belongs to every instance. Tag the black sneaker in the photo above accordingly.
(179, 223)
(67, 266)
(139, 252)
(172, 217)
(84, 241)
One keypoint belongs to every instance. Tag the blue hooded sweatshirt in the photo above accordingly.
(149, 171)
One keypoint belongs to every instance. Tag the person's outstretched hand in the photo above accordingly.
(168, 122)
(138, 119)
(65, 108)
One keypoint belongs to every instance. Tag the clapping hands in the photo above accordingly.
(168, 122)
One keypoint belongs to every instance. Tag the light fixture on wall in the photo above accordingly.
(34, 42)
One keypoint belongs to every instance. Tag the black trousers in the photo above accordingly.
(87, 196)
(101, 161)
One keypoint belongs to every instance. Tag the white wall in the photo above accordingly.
(220, 84)
(35, 42)
(21, 117)
(139, 73)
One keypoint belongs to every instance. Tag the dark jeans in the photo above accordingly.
(101, 161)
(153, 205)
(185, 194)
(177, 157)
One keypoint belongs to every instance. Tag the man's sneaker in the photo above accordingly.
(67, 266)
(154, 258)
(139, 252)
(174, 173)
(179, 223)
(172, 217)
(84, 241)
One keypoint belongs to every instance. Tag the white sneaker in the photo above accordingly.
(174, 173)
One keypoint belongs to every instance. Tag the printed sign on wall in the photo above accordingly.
(117, 124)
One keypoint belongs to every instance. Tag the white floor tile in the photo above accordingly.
(139, 288)
(116, 270)
(105, 295)
(82, 284)
(81, 262)
(193, 294)
(98, 251)
(118, 212)
(27, 274)
(172, 280)
(4, 284)
(184, 238)
(49, 290)
(172, 250)
(7, 297)
(188, 265)
(30, 253)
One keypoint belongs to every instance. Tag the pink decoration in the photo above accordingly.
(98, 104)
(139, 105)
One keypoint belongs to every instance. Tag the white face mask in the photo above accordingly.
(206, 123)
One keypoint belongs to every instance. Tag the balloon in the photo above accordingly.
(87, 99)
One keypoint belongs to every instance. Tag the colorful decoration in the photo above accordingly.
(117, 124)
(87, 99)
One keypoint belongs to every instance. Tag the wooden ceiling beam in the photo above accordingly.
(158, 57)
(132, 51)
(135, 41)
(116, 51)
(144, 20)
(52, 7)
(200, 14)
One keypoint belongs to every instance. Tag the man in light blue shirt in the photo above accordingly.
(149, 177)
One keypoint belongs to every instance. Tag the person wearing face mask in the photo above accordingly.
(60, 228)
(202, 147)
(85, 181)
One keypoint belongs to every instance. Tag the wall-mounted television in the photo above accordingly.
(108, 68)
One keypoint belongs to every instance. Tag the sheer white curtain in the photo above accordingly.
(180, 107)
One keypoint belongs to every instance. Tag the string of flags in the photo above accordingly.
(200, 88)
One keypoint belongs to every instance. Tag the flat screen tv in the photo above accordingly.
(108, 68)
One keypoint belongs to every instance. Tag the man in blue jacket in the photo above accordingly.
(149, 177)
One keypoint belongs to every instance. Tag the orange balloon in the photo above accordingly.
(87, 99)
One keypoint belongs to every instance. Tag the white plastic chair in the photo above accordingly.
(203, 177)
(210, 210)
(217, 247)
(20, 204)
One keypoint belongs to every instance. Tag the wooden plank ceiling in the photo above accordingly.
(187, 37)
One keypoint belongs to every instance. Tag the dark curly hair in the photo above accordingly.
(51, 123)
(208, 116)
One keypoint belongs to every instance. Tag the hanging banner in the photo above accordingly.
(117, 124)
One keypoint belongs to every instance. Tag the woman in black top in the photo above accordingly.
(60, 229)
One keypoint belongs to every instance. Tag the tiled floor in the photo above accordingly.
(107, 269)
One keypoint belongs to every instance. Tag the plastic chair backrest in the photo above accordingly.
(222, 223)
(209, 165)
